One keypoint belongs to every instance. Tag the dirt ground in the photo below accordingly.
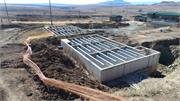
(15, 76)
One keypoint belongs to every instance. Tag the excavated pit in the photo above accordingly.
(168, 50)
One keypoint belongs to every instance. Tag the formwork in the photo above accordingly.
(107, 59)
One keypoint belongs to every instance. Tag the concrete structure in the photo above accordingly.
(107, 59)
(65, 30)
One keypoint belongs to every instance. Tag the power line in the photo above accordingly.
(50, 11)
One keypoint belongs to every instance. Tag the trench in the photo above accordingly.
(169, 49)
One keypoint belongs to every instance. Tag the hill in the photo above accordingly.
(114, 3)
(168, 3)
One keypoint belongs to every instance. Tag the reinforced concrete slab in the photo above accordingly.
(65, 30)
(107, 59)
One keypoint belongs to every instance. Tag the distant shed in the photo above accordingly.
(167, 16)
(159, 19)
(140, 18)
(116, 18)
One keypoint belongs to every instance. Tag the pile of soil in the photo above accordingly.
(14, 57)
(100, 25)
(50, 93)
(18, 63)
(21, 26)
(125, 40)
(3, 95)
(55, 64)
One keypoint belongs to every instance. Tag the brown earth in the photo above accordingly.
(58, 67)
(3, 95)
(61, 67)
(30, 84)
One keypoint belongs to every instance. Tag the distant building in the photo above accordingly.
(116, 18)
(140, 18)
(160, 18)
(166, 16)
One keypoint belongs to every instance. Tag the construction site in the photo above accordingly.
(89, 52)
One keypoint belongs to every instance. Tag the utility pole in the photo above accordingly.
(111, 8)
(7, 14)
(79, 13)
(179, 26)
(50, 11)
(95, 16)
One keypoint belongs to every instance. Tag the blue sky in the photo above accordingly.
(75, 1)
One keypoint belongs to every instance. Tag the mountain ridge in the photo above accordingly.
(168, 3)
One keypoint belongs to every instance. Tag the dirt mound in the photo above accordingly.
(51, 93)
(21, 26)
(10, 26)
(100, 25)
(18, 63)
(13, 56)
(3, 95)
(61, 67)
(125, 40)
(44, 41)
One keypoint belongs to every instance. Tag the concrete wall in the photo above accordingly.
(129, 67)
(112, 72)
(81, 59)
